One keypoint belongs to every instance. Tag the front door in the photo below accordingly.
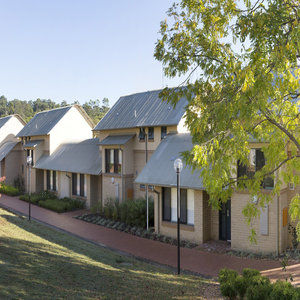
(225, 221)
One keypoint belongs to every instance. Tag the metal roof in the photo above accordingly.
(160, 170)
(142, 109)
(43, 122)
(32, 144)
(82, 157)
(116, 139)
(4, 120)
(6, 148)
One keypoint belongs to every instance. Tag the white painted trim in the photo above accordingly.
(190, 206)
(174, 204)
(85, 185)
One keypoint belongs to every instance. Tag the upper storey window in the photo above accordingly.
(113, 161)
(150, 133)
(256, 162)
(163, 132)
(142, 135)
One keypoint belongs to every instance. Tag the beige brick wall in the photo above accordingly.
(12, 165)
(240, 231)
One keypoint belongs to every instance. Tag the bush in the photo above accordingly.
(9, 190)
(61, 205)
(227, 280)
(252, 286)
(259, 288)
(49, 200)
(283, 290)
(131, 212)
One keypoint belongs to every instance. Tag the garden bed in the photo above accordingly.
(50, 201)
(134, 230)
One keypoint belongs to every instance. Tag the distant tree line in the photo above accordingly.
(96, 109)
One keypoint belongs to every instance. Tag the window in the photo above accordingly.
(183, 206)
(113, 161)
(150, 133)
(82, 185)
(166, 199)
(74, 184)
(142, 135)
(54, 181)
(256, 162)
(163, 132)
(48, 180)
(30, 153)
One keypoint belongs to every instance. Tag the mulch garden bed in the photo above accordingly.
(138, 231)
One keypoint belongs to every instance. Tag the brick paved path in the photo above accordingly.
(204, 263)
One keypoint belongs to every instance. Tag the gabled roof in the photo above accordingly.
(160, 171)
(5, 119)
(43, 122)
(142, 109)
(6, 148)
(82, 157)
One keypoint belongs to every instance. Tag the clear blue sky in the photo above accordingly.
(79, 49)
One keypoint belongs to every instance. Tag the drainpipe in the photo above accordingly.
(158, 210)
(122, 175)
(147, 197)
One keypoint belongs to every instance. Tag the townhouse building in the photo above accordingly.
(129, 135)
(10, 148)
(50, 136)
(200, 222)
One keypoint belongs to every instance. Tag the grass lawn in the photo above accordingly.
(38, 262)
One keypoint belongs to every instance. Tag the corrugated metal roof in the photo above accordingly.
(142, 109)
(116, 139)
(43, 122)
(6, 148)
(4, 120)
(160, 170)
(83, 157)
(32, 144)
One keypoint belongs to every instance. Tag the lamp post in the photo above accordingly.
(29, 162)
(178, 168)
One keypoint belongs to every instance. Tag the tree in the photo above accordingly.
(246, 56)
(95, 110)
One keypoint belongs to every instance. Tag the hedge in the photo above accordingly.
(49, 200)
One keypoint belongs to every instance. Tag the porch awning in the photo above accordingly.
(32, 144)
(116, 140)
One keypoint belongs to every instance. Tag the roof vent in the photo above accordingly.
(169, 108)
(135, 113)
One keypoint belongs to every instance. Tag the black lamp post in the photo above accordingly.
(178, 168)
(29, 162)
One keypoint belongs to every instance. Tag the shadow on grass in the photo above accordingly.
(39, 262)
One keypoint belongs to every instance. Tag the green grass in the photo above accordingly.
(38, 262)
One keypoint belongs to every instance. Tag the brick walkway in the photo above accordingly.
(195, 260)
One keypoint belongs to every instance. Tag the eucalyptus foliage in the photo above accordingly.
(245, 55)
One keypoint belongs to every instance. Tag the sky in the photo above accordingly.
(80, 49)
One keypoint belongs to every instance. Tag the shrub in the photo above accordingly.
(252, 286)
(61, 205)
(49, 200)
(283, 290)
(259, 288)
(131, 212)
(9, 190)
(227, 280)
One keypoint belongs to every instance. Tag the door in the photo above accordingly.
(65, 180)
(225, 221)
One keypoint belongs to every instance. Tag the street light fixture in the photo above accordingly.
(178, 168)
(29, 163)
